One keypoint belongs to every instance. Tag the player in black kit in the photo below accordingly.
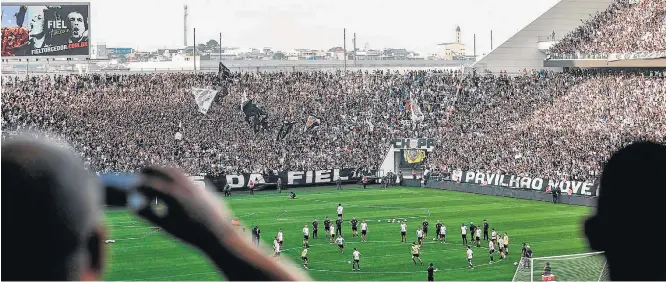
(338, 225)
(256, 234)
(438, 227)
(485, 230)
(431, 272)
(315, 226)
(327, 225)
(354, 224)
(425, 229)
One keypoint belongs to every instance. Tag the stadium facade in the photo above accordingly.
(527, 48)
(65, 67)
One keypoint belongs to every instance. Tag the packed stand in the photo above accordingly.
(538, 124)
(626, 26)
(559, 126)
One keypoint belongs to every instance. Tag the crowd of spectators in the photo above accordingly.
(13, 38)
(539, 124)
(626, 26)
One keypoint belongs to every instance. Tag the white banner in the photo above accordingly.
(417, 114)
(636, 56)
(204, 98)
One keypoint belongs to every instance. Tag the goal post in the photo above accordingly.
(576, 267)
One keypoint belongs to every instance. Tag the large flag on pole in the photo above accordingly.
(204, 98)
(254, 115)
(223, 71)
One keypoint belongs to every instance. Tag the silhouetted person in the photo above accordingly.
(632, 195)
(52, 215)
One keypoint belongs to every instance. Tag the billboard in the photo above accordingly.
(45, 29)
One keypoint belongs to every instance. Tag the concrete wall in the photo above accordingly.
(521, 50)
(16, 68)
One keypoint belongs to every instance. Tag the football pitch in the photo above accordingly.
(143, 253)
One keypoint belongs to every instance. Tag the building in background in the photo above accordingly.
(119, 51)
(452, 50)
(99, 51)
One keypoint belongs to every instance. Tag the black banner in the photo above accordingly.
(45, 30)
(285, 129)
(290, 178)
(532, 183)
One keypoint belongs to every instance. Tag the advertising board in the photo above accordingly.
(45, 29)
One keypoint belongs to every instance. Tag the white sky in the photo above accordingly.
(287, 24)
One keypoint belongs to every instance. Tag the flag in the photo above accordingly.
(312, 123)
(254, 116)
(417, 114)
(223, 71)
(222, 81)
(285, 129)
(204, 98)
(371, 127)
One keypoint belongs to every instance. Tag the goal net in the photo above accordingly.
(578, 267)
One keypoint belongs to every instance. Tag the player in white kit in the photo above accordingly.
(442, 234)
(306, 235)
(478, 237)
(332, 234)
(491, 251)
(356, 255)
(470, 253)
(364, 231)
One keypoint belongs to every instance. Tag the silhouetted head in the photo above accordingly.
(52, 213)
(632, 197)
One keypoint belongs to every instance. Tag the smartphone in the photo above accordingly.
(121, 190)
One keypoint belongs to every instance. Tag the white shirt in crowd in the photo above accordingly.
(500, 242)
(279, 236)
(469, 253)
(478, 232)
(340, 240)
(276, 246)
(463, 229)
(306, 231)
(442, 230)
(364, 226)
(419, 233)
(493, 235)
(491, 245)
(340, 209)
(403, 227)
(357, 255)
(332, 229)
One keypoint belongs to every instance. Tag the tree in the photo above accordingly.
(201, 46)
(279, 56)
(212, 44)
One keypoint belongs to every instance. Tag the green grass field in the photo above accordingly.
(140, 253)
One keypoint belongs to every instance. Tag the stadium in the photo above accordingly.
(393, 155)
